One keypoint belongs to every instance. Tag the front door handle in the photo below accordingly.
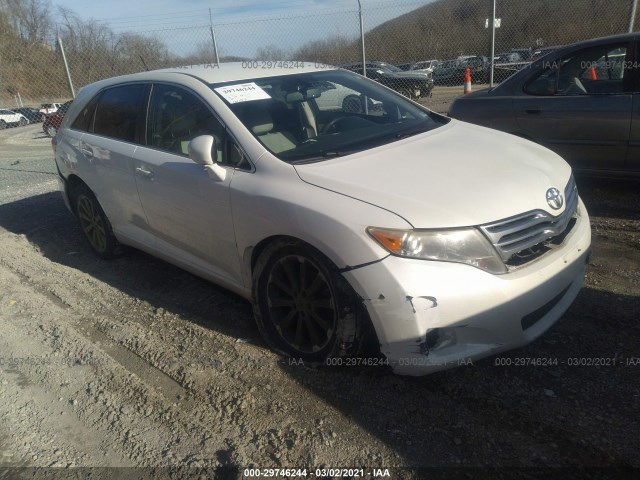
(144, 172)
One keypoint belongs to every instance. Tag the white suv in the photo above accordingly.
(11, 118)
(439, 240)
(47, 108)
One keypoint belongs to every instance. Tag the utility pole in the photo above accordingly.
(66, 67)
(632, 17)
(213, 39)
(493, 43)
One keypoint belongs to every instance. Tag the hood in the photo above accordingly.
(454, 176)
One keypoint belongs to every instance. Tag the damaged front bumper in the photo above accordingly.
(431, 316)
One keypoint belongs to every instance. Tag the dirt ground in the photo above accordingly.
(135, 363)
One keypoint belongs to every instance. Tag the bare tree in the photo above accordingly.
(31, 19)
(271, 52)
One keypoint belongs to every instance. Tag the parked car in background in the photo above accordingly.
(524, 53)
(412, 85)
(506, 64)
(9, 118)
(53, 121)
(507, 57)
(579, 101)
(405, 66)
(31, 114)
(425, 66)
(538, 53)
(452, 72)
(422, 66)
(47, 108)
(435, 241)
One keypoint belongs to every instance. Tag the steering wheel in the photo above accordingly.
(330, 125)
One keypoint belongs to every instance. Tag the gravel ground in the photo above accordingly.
(135, 363)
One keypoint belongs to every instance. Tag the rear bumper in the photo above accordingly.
(431, 316)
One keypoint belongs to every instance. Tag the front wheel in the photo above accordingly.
(303, 306)
(3, 125)
(23, 122)
(94, 223)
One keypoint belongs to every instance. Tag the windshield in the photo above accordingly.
(318, 115)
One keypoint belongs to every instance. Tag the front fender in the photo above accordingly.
(273, 201)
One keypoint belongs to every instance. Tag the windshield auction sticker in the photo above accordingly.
(245, 92)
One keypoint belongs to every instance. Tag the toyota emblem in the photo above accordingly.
(554, 198)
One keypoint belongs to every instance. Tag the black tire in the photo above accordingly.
(50, 130)
(94, 223)
(303, 306)
(23, 122)
(3, 125)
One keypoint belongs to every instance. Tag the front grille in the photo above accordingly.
(525, 237)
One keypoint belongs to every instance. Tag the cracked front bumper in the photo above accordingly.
(431, 316)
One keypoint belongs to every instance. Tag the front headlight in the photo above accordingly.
(461, 246)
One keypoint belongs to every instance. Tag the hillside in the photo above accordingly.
(448, 28)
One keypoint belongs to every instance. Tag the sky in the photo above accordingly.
(241, 26)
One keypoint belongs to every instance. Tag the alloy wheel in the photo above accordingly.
(92, 224)
(301, 304)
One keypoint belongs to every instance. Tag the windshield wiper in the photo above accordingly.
(334, 153)
(320, 157)
(411, 133)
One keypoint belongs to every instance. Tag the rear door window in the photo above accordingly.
(118, 112)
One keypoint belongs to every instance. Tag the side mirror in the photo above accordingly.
(200, 151)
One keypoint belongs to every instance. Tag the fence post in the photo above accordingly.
(364, 63)
(213, 39)
(493, 43)
(66, 67)
(632, 16)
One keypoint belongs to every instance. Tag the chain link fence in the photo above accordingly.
(421, 48)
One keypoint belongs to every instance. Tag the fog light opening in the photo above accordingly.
(439, 338)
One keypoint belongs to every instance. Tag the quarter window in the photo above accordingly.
(84, 119)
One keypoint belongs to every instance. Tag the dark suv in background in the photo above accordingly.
(412, 85)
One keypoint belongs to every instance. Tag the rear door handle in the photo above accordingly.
(86, 150)
(143, 172)
(533, 110)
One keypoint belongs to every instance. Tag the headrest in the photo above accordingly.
(261, 122)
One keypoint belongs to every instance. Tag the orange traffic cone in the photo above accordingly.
(594, 75)
(467, 81)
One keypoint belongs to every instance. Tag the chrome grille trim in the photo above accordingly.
(521, 232)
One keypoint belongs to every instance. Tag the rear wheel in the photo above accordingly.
(50, 130)
(94, 223)
(303, 306)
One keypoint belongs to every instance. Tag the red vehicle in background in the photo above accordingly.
(52, 121)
